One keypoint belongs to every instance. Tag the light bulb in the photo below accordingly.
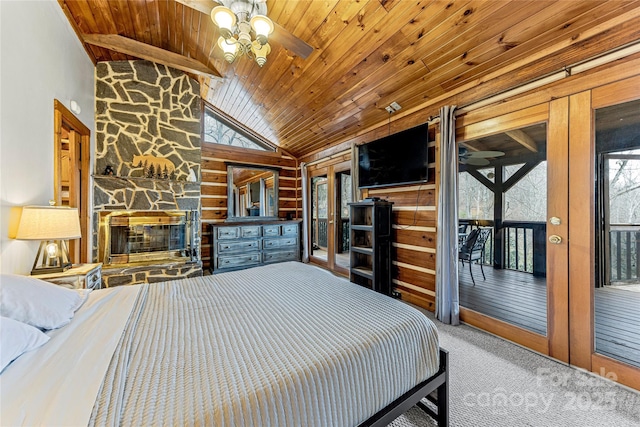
(52, 250)
(225, 19)
(229, 49)
(262, 27)
(260, 52)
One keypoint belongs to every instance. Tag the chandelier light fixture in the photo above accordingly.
(237, 23)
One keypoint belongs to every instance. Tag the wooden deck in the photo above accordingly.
(618, 324)
(521, 300)
(516, 298)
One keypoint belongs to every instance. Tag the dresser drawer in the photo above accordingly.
(238, 260)
(238, 245)
(250, 231)
(278, 256)
(290, 230)
(228, 232)
(279, 243)
(94, 279)
(270, 230)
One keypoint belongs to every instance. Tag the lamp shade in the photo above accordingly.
(48, 223)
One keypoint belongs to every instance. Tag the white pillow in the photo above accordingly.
(17, 338)
(38, 303)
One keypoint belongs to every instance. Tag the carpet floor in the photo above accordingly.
(496, 383)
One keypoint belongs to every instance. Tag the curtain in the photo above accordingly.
(305, 212)
(447, 292)
(356, 194)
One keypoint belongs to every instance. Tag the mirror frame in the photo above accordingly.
(231, 199)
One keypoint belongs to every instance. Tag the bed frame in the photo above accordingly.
(438, 383)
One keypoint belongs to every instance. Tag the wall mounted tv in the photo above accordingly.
(401, 158)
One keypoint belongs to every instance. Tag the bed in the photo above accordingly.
(280, 345)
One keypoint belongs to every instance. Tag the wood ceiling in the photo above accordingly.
(367, 54)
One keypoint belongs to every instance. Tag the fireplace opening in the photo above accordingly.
(142, 237)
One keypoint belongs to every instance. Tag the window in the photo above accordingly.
(217, 130)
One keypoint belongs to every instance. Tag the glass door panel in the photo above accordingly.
(617, 288)
(319, 216)
(503, 194)
(343, 198)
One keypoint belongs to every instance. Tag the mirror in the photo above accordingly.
(252, 192)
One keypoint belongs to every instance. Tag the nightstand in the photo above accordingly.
(79, 276)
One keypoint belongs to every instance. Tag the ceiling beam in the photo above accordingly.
(151, 53)
(523, 139)
(203, 6)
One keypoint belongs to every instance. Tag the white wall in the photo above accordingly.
(41, 59)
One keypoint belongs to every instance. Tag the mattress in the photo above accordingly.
(280, 345)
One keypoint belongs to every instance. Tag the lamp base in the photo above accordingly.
(48, 270)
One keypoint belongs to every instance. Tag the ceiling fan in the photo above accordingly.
(476, 158)
(249, 8)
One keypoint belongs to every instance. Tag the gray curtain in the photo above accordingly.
(447, 296)
(356, 194)
(305, 212)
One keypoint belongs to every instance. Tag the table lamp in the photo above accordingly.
(52, 225)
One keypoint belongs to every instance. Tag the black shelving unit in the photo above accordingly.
(370, 245)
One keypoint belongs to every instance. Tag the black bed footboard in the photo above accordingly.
(438, 383)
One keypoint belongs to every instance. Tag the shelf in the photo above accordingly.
(363, 271)
(362, 250)
(362, 227)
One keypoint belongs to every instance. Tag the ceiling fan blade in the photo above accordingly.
(289, 41)
(484, 154)
(475, 161)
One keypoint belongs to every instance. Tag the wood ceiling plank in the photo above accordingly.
(490, 26)
(405, 17)
(178, 45)
(121, 14)
(290, 66)
(346, 23)
(163, 24)
(74, 25)
(138, 11)
(185, 30)
(148, 52)
(193, 34)
(153, 16)
(172, 16)
(434, 78)
(534, 34)
(103, 17)
(369, 39)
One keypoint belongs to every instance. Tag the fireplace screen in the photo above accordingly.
(134, 237)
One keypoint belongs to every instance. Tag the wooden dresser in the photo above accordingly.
(244, 244)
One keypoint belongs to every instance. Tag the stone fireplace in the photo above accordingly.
(146, 190)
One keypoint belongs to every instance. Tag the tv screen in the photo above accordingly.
(401, 158)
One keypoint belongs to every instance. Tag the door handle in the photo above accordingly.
(555, 239)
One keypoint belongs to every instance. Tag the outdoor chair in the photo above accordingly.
(473, 249)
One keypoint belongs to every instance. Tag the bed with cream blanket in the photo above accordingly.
(280, 345)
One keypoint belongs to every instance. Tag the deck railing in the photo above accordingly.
(624, 247)
(520, 246)
(320, 234)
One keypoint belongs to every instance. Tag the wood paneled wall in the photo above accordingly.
(214, 184)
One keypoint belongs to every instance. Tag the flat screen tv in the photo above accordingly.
(401, 158)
